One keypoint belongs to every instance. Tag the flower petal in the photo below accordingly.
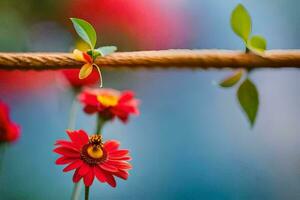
(79, 138)
(67, 144)
(64, 160)
(119, 164)
(111, 145)
(122, 174)
(110, 180)
(76, 176)
(73, 165)
(108, 167)
(83, 137)
(66, 151)
(99, 174)
(119, 153)
(87, 57)
(126, 96)
(85, 71)
(84, 169)
(120, 158)
(89, 178)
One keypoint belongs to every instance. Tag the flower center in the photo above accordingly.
(108, 100)
(93, 153)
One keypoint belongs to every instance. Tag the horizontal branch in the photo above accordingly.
(193, 59)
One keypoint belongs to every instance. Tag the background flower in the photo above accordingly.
(9, 131)
(109, 103)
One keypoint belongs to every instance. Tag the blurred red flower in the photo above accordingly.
(109, 103)
(9, 131)
(72, 77)
(151, 24)
(90, 157)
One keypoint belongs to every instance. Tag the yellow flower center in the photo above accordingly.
(95, 151)
(108, 100)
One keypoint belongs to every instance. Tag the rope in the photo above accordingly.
(193, 59)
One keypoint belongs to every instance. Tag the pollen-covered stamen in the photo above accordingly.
(96, 140)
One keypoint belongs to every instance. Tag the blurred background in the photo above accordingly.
(191, 140)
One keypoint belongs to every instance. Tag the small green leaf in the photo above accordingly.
(232, 79)
(241, 22)
(106, 50)
(86, 31)
(257, 43)
(248, 98)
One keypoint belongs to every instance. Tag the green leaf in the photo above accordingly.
(106, 50)
(241, 22)
(257, 43)
(248, 97)
(232, 79)
(86, 31)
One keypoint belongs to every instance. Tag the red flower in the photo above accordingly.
(109, 103)
(9, 131)
(91, 158)
(72, 77)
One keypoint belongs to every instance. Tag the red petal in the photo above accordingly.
(89, 178)
(122, 174)
(84, 169)
(68, 152)
(126, 96)
(99, 174)
(119, 164)
(84, 138)
(110, 180)
(76, 177)
(67, 144)
(87, 57)
(111, 145)
(108, 167)
(58, 142)
(90, 109)
(120, 158)
(64, 160)
(118, 153)
(73, 165)
(76, 136)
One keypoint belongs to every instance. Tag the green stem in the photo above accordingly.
(87, 191)
(2, 152)
(73, 114)
(100, 124)
(71, 125)
(76, 191)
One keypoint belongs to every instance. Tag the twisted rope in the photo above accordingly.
(193, 59)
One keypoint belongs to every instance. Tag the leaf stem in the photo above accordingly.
(100, 75)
